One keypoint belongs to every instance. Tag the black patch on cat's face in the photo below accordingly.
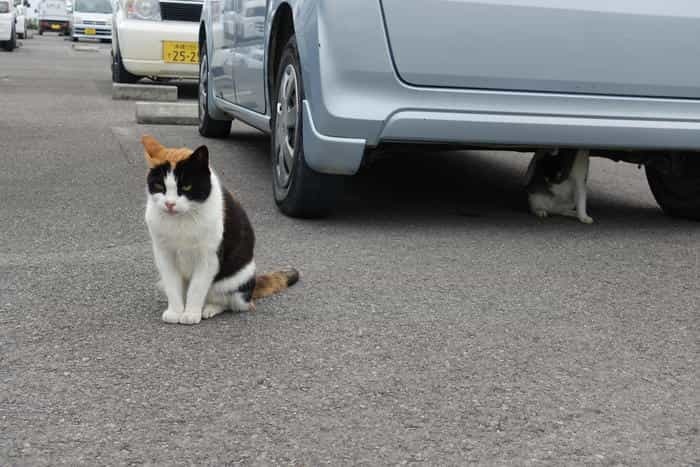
(193, 176)
(156, 178)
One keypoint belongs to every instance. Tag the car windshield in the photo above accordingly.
(4, 7)
(93, 6)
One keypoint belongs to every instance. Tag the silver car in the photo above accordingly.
(332, 81)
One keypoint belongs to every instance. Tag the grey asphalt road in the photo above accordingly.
(436, 321)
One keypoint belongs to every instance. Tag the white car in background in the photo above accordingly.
(155, 39)
(91, 19)
(8, 32)
(21, 24)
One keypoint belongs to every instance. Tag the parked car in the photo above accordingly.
(155, 39)
(341, 79)
(8, 34)
(21, 23)
(91, 19)
(53, 17)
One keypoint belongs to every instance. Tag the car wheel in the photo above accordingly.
(677, 194)
(209, 127)
(299, 190)
(12, 43)
(74, 39)
(119, 73)
(41, 32)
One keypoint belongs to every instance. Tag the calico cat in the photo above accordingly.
(557, 184)
(202, 239)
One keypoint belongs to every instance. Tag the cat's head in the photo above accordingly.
(179, 179)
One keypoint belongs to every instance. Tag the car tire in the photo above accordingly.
(208, 126)
(12, 43)
(41, 32)
(299, 190)
(119, 73)
(677, 195)
(74, 39)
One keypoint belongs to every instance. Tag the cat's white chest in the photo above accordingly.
(564, 192)
(189, 239)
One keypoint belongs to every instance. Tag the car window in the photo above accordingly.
(4, 7)
(257, 11)
(93, 6)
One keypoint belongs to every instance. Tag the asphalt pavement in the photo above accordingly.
(437, 322)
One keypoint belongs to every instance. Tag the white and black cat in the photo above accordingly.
(557, 184)
(202, 239)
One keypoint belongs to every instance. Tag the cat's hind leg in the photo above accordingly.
(216, 304)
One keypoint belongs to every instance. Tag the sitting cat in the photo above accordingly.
(557, 184)
(202, 239)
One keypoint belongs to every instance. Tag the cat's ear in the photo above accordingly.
(200, 156)
(154, 150)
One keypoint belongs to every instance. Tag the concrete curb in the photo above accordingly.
(85, 48)
(171, 113)
(144, 92)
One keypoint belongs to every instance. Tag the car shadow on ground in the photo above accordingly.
(482, 188)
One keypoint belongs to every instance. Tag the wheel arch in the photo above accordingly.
(212, 109)
(282, 27)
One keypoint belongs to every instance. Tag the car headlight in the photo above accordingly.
(143, 9)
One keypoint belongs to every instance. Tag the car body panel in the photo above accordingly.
(53, 11)
(356, 100)
(7, 20)
(21, 24)
(625, 47)
(140, 43)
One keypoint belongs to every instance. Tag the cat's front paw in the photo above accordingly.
(541, 214)
(191, 316)
(586, 219)
(171, 316)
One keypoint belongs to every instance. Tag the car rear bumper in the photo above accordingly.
(141, 47)
(358, 98)
(53, 25)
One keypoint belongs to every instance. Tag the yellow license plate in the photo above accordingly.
(90, 32)
(55, 26)
(180, 52)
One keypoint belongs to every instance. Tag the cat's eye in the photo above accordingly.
(187, 188)
(158, 187)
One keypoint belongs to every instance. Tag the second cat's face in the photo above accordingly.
(178, 180)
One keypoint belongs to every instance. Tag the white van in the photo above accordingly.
(92, 19)
(8, 32)
(53, 17)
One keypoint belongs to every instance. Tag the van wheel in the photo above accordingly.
(678, 194)
(208, 127)
(299, 190)
(119, 73)
(12, 43)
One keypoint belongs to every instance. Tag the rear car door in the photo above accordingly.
(614, 47)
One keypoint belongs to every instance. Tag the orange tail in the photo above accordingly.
(270, 284)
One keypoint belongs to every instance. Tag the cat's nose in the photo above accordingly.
(170, 206)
